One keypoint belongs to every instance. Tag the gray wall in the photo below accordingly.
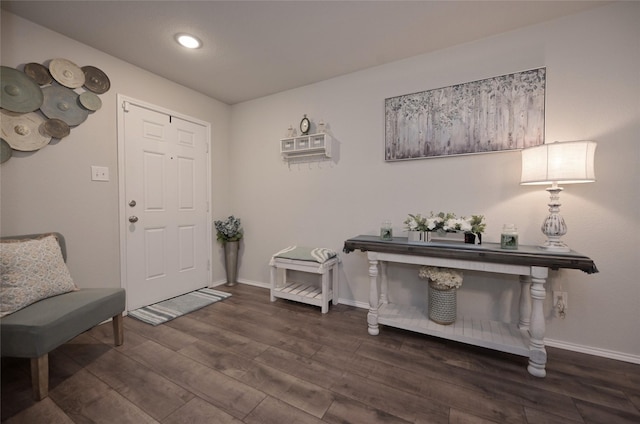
(593, 68)
(51, 189)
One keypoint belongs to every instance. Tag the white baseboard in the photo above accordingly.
(355, 303)
(241, 281)
(605, 353)
(254, 283)
(595, 351)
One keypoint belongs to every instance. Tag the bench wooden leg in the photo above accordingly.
(273, 275)
(325, 292)
(118, 332)
(335, 283)
(40, 376)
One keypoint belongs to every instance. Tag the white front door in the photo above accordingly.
(165, 214)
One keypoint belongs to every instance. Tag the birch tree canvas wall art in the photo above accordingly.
(494, 114)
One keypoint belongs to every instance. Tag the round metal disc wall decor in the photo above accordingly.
(5, 151)
(95, 80)
(44, 102)
(56, 128)
(23, 131)
(90, 101)
(38, 73)
(19, 93)
(62, 103)
(66, 73)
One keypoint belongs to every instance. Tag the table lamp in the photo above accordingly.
(567, 162)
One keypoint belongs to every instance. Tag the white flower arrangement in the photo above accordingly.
(445, 222)
(443, 278)
(457, 224)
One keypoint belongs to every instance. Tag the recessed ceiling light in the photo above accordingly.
(188, 41)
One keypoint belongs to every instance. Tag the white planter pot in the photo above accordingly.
(447, 237)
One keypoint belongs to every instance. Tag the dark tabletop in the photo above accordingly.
(485, 252)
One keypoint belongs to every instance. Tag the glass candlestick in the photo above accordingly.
(386, 231)
(509, 237)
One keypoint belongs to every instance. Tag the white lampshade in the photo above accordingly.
(567, 162)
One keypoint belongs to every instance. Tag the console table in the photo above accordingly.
(530, 263)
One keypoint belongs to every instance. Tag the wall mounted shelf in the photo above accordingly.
(306, 146)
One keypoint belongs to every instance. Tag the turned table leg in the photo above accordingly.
(525, 302)
(384, 284)
(537, 351)
(372, 316)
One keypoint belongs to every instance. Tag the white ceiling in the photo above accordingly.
(255, 48)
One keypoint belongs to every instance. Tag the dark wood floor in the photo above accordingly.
(246, 360)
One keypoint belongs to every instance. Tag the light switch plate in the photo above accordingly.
(99, 173)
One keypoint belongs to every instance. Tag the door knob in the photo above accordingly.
(132, 203)
(133, 218)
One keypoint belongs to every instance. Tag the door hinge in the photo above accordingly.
(207, 206)
(208, 265)
(125, 106)
(207, 149)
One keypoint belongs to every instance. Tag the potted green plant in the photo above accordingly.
(229, 233)
(416, 227)
(477, 228)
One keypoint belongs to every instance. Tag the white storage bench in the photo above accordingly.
(305, 259)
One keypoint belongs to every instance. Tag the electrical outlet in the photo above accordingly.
(562, 298)
(99, 173)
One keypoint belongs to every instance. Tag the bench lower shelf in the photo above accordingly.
(301, 292)
(490, 334)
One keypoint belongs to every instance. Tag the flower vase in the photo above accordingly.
(231, 261)
(418, 236)
(470, 238)
(442, 304)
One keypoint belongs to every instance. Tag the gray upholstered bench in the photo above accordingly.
(35, 330)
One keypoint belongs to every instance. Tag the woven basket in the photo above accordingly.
(442, 304)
